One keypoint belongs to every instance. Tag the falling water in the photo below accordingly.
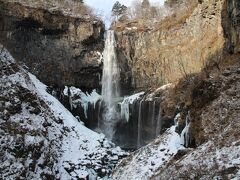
(110, 86)
(110, 79)
(98, 113)
(153, 117)
(139, 124)
(159, 122)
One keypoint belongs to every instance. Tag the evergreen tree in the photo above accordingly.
(118, 9)
(145, 4)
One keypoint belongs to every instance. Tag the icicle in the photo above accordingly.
(125, 110)
(185, 138)
(176, 119)
(126, 103)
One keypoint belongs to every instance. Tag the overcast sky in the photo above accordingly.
(104, 7)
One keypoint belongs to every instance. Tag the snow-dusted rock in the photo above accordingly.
(40, 138)
(145, 162)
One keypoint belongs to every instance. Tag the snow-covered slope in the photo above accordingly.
(145, 162)
(214, 122)
(208, 161)
(41, 139)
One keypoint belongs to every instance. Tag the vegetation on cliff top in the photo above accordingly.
(144, 15)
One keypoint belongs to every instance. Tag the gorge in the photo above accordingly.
(157, 96)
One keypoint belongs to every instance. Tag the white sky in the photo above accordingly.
(104, 7)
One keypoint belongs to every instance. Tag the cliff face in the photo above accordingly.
(204, 142)
(168, 50)
(58, 45)
(231, 24)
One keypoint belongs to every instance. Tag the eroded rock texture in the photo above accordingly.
(152, 55)
(61, 47)
(231, 24)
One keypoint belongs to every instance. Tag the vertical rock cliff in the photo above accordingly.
(203, 143)
(61, 45)
(231, 24)
(156, 53)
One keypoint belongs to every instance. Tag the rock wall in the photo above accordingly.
(231, 24)
(165, 51)
(59, 46)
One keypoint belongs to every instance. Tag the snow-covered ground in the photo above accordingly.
(52, 141)
(145, 162)
(206, 162)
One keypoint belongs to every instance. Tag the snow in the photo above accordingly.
(71, 143)
(176, 118)
(32, 139)
(125, 104)
(146, 161)
(160, 89)
(213, 158)
(100, 59)
(80, 143)
(5, 56)
(63, 142)
(84, 99)
(131, 28)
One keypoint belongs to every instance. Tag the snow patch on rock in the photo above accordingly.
(125, 105)
(77, 97)
(145, 162)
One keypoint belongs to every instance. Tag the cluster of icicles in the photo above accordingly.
(154, 115)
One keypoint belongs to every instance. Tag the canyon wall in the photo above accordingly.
(193, 50)
(59, 45)
(231, 24)
(155, 53)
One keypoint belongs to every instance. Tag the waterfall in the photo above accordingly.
(110, 79)
(159, 122)
(110, 84)
(153, 117)
(98, 113)
(139, 124)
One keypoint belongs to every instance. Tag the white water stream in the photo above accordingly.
(110, 84)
